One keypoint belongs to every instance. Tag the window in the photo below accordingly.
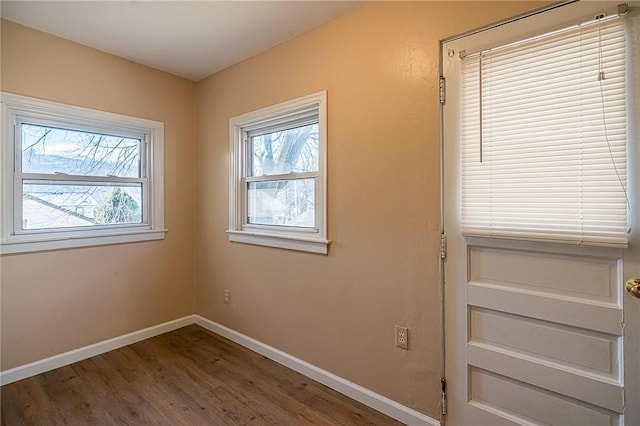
(544, 137)
(277, 176)
(74, 177)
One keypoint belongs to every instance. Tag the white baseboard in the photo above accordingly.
(376, 401)
(57, 361)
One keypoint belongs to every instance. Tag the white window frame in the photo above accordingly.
(17, 109)
(303, 239)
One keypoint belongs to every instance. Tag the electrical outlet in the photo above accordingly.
(227, 296)
(402, 337)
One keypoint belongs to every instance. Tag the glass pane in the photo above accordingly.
(50, 150)
(63, 206)
(285, 202)
(293, 150)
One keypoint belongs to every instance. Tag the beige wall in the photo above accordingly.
(58, 301)
(380, 67)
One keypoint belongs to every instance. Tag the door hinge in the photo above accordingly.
(443, 396)
(443, 246)
(441, 86)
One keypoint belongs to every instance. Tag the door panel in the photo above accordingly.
(570, 348)
(587, 278)
(522, 403)
(538, 333)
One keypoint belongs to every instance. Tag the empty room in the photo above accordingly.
(320, 212)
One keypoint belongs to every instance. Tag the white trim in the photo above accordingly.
(367, 397)
(356, 392)
(151, 132)
(60, 360)
(15, 247)
(317, 242)
(288, 242)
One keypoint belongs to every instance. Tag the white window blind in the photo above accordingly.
(544, 138)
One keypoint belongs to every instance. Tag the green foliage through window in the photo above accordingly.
(118, 207)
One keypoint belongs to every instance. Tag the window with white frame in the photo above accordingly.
(544, 137)
(74, 177)
(277, 183)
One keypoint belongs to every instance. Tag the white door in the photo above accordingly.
(538, 333)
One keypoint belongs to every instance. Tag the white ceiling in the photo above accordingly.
(192, 39)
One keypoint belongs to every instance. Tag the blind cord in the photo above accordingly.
(601, 77)
(480, 104)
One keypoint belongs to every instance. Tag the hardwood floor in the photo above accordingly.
(186, 377)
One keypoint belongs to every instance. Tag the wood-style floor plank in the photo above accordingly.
(185, 377)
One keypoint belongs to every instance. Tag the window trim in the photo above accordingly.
(17, 107)
(302, 239)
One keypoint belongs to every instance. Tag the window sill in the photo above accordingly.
(30, 244)
(312, 245)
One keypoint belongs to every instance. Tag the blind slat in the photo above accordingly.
(553, 138)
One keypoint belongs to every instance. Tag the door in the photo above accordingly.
(538, 332)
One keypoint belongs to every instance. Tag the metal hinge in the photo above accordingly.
(443, 396)
(443, 246)
(441, 86)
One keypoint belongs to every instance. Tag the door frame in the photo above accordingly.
(530, 22)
